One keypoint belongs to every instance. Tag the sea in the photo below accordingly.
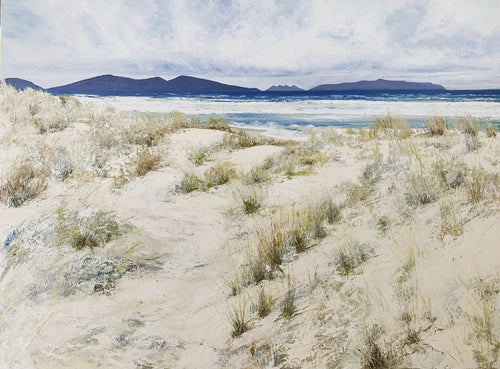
(291, 114)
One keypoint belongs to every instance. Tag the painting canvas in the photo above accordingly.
(249, 184)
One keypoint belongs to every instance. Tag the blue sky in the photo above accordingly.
(254, 43)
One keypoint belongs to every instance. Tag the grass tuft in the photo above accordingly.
(218, 175)
(21, 184)
(87, 229)
(375, 355)
(189, 183)
(238, 319)
(264, 304)
(491, 130)
(350, 257)
(436, 126)
(288, 307)
(146, 162)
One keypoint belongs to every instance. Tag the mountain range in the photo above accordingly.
(109, 83)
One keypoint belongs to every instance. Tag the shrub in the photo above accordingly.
(436, 126)
(21, 184)
(218, 124)
(147, 161)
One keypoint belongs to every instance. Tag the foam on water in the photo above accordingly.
(278, 116)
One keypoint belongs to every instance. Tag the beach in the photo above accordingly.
(132, 239)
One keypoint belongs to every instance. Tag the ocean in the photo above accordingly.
(291, 113)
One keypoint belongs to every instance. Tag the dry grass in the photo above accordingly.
(436, 126)
(218, 124)
(264, 303)
(350, 257)
(146, 162)
(250, 198)
(219, 174)
(491, 130)
(451, 174)
(479, 183)
(421, 190)
(21, 184)
(87, 229)
(451, 222)
(199, 156)
(375, 355)
(189, 183)
(180, 121)
(484, 338)
(288, 308)
(237, 318)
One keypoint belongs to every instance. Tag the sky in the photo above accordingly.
(254, 43)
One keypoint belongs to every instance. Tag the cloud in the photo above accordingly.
(258, 42)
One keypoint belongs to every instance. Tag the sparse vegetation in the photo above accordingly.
(491, 130)
(484, 338)
(375, 355)
(352, 255)
(451, 222)
(288, 307)
(238, 319)
(146, 162)
(22, 183)
(264, 303)
(87, 229)
(189, 183)
(436, 126)
(218, 175)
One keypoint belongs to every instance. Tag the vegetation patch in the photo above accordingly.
(87, 229)
(21, 184)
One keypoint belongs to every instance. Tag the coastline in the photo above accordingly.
(358, 239)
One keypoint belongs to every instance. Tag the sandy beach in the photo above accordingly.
(135, 241)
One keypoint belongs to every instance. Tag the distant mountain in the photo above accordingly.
(284, 88)
(109, 83)
(21, 84)
(379, 84)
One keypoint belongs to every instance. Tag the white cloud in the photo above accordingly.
(254, 42)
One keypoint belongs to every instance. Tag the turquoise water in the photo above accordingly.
(272, 112)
